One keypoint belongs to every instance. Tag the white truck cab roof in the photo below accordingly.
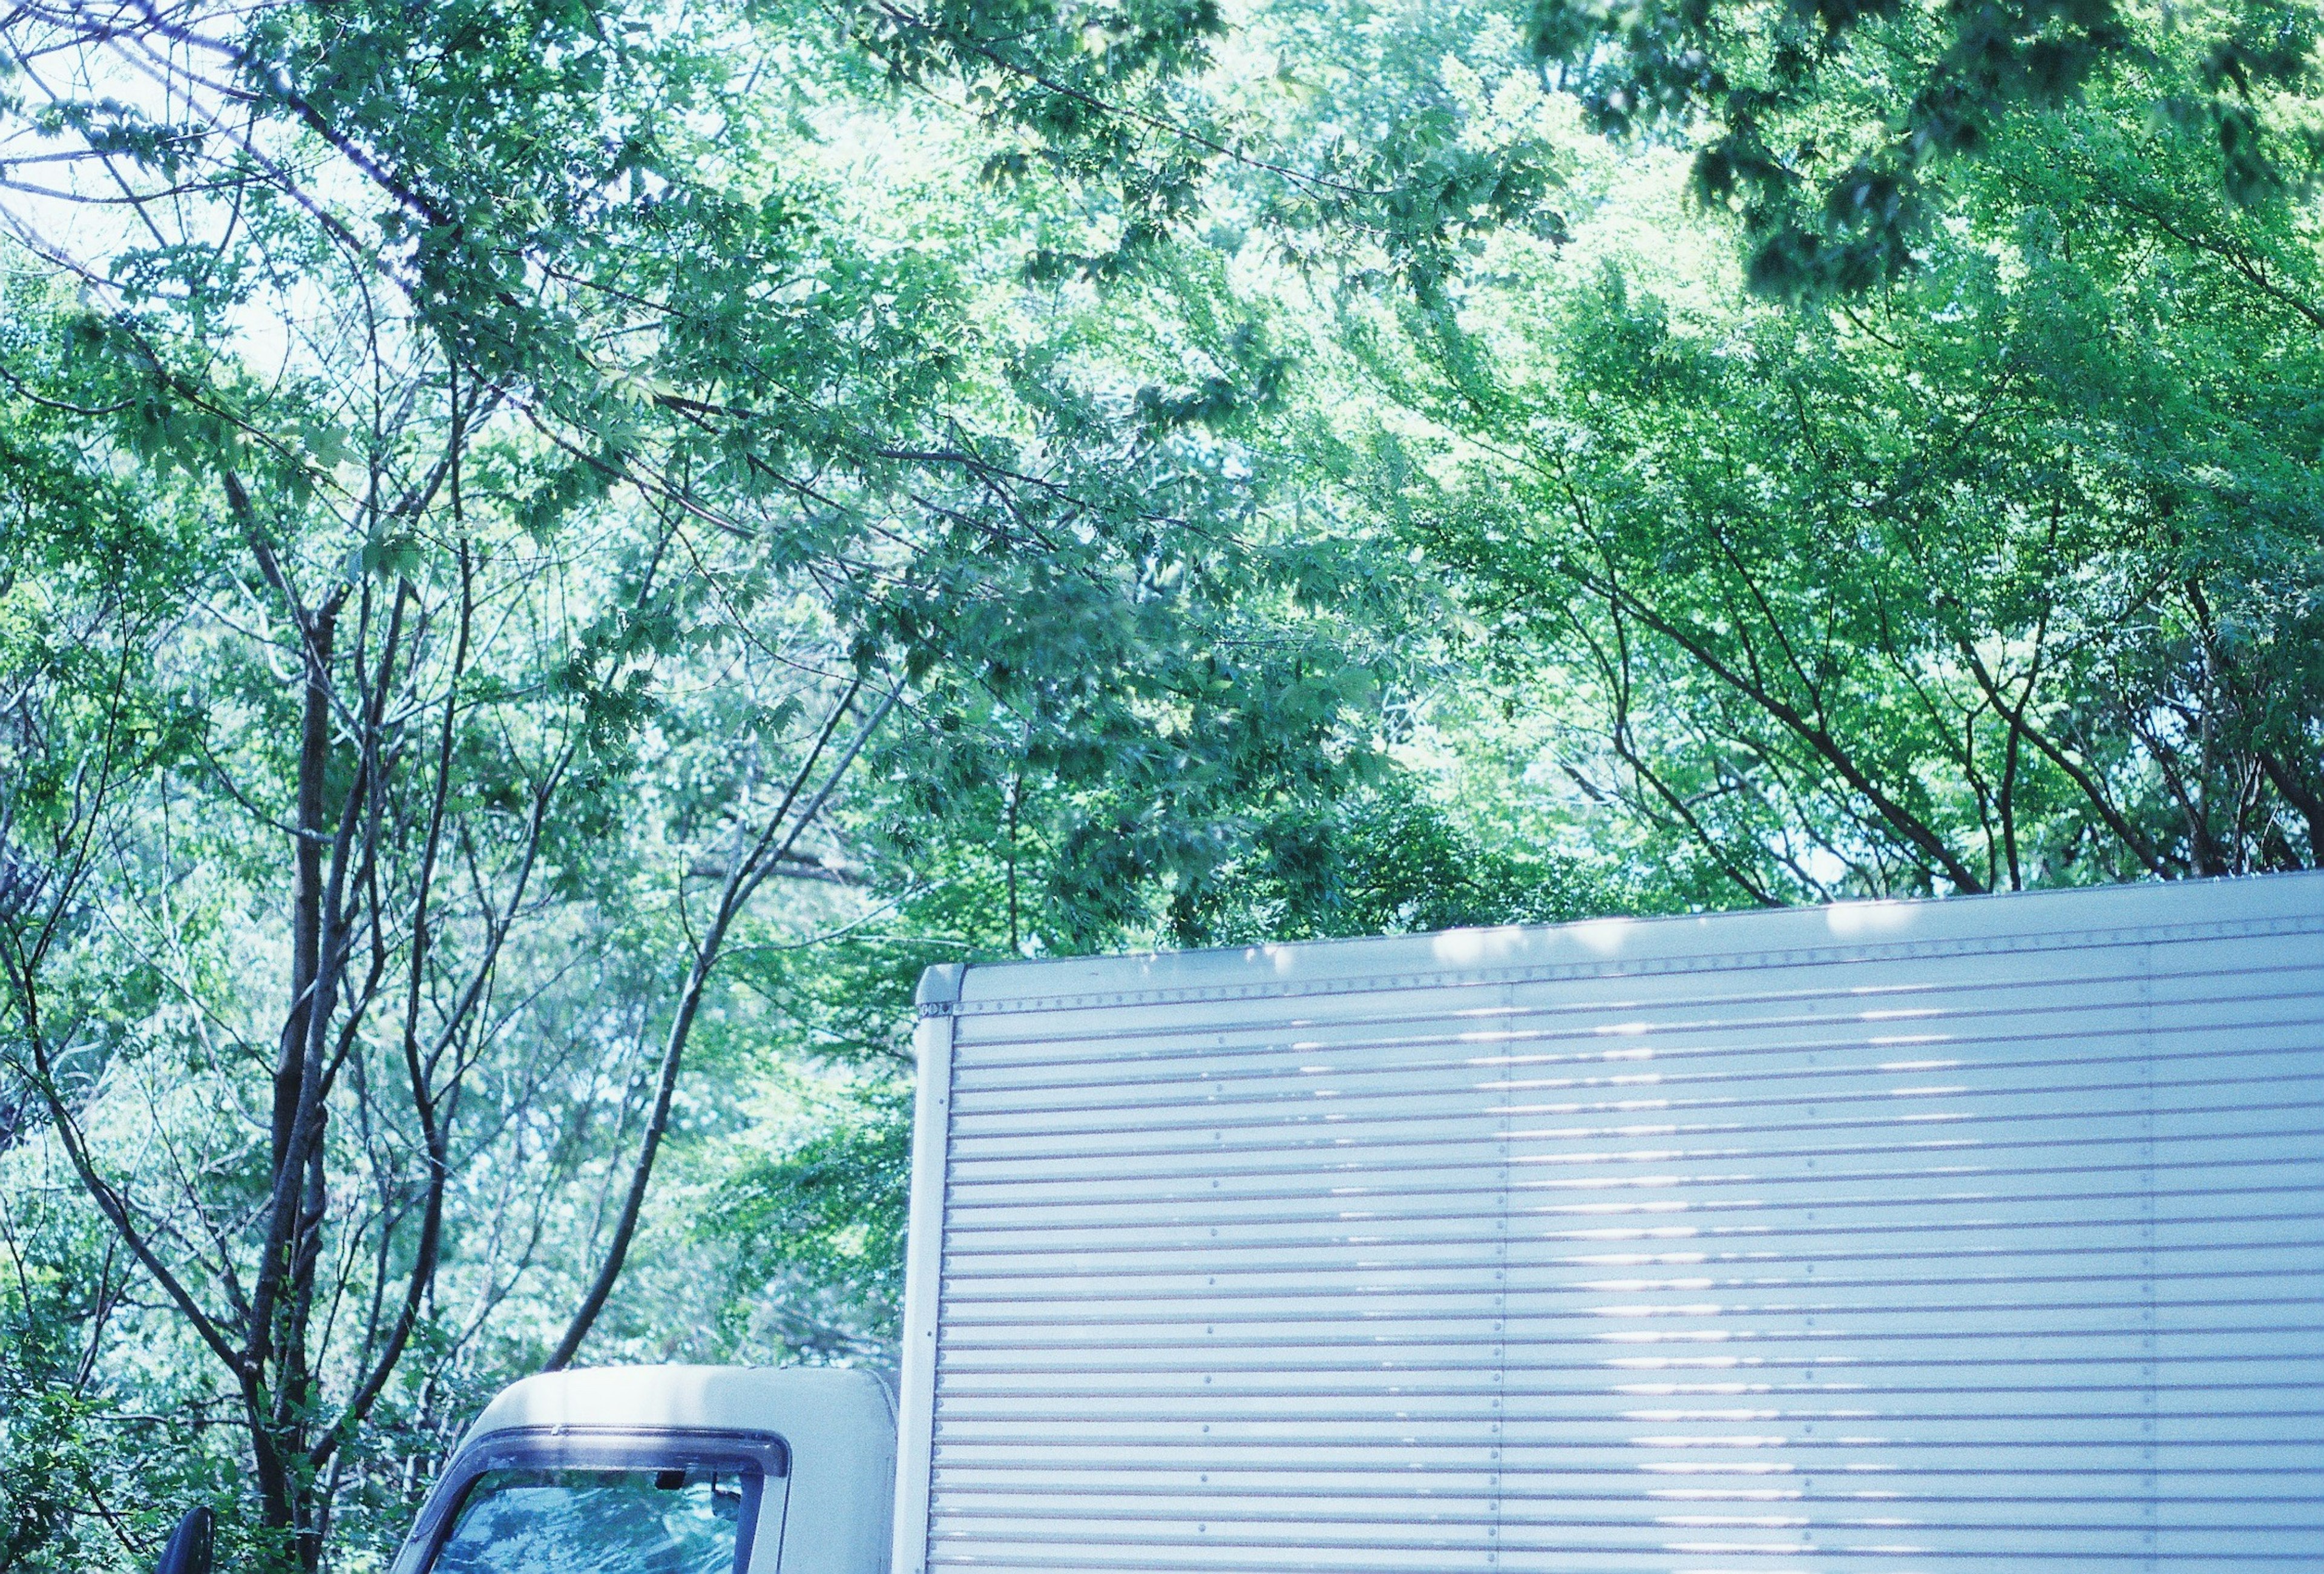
(820, 1442)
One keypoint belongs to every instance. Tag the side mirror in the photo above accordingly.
(189, 1548)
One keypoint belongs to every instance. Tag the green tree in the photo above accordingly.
(1834, 128)
(2007, 577)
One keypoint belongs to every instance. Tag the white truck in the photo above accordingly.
(1975, 1234)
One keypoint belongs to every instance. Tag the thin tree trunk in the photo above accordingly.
(747, 873)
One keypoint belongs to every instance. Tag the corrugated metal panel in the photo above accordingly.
(1978, 1234)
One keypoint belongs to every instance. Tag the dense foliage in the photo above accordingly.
(553, 553)
(2006, 575)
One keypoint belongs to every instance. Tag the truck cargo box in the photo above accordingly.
(1981, 1233)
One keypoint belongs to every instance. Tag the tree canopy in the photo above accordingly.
(553, 553)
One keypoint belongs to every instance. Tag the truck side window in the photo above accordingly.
(683, 1520)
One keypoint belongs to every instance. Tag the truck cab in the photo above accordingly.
(668, 1470)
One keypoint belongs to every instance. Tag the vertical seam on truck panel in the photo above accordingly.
(2149, 1442)
(931, 1183)
(1500, 1429)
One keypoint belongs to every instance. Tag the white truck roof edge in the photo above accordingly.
(679, 1395)
(940, 984)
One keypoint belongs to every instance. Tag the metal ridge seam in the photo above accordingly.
(1615, 968)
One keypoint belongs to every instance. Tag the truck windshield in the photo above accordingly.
(682, 1521)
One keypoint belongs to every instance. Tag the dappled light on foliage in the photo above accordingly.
(554, 554)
